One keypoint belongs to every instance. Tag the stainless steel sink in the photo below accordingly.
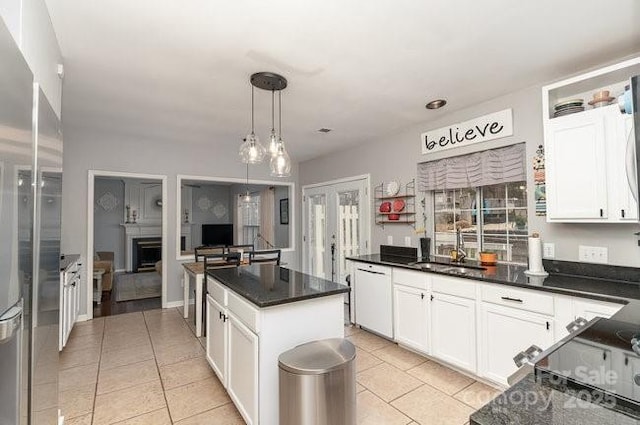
(464, 270)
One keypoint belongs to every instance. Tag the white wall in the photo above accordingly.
(87, 150)
(395, 156)
(30, 25)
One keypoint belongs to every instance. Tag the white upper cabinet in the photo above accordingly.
(590, 155)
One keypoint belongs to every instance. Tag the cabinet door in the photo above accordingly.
(411, 315)
(217, 338)
(243, 369)
(453, 330)
(592, 362)
(576, 167)
(505, 332)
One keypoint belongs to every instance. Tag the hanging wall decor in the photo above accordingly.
(540, 195)
(108, 201)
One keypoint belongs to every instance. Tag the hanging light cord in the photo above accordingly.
(272, 112)
(252, 128)
(280, 113)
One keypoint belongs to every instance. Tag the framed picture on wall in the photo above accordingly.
(284, 211)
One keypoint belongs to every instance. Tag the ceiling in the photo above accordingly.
(178, 71)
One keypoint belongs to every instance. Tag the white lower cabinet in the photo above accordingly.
(453, 330)
(242, 378)
(217, 338)
(232, 352)
(505, 332)
(411, 317)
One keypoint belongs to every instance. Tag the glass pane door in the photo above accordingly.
(336, 227)
(316, 234)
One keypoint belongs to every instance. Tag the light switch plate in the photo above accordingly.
(389, 240)
(407, 241)
(548, 250)
(593, 254)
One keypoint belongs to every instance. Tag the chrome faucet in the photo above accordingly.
(460, 253)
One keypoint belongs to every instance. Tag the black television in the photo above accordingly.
(217, 234)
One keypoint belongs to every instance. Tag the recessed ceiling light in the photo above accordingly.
(324, 130)
(436, 104)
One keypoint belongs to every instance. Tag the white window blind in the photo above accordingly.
(493, 166)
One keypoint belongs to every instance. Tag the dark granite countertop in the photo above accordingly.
(267, 285)
(565, 278)
(531, 403)
(67, 259)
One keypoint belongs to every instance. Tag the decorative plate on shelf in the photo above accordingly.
(392, 188)
(394, 217)
(398, 205)
(385, 207)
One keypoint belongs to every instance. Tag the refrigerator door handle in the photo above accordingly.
(10, 323)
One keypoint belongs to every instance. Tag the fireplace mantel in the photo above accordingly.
(145, 230)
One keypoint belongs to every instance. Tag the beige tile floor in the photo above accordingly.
(149, 368)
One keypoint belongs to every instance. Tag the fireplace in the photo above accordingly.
(146, 252)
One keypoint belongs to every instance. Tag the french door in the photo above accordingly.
(336, 217)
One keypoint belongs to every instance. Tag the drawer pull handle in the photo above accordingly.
(422, 295)
(515, 300)
(548, 325)
(431, 297)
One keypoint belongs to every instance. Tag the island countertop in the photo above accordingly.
(267, 285)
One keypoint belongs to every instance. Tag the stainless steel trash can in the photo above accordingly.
(318, 383)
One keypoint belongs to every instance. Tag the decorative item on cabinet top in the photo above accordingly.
(395, 203)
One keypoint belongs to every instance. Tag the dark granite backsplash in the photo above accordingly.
(597, 271)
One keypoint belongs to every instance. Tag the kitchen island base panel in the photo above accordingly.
(285, 327)
(261, 335)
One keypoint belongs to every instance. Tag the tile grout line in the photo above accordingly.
(153, 348)
(95, 392)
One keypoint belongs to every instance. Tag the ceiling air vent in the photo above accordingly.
(324, 130)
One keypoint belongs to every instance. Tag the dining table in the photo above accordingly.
(195, 271)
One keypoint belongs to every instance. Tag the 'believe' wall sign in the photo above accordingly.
(488, 127)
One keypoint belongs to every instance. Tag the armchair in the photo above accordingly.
(104, 260)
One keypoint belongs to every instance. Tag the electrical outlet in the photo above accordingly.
(549, 250)
(389, 240)
(584, 253)
(407, 241)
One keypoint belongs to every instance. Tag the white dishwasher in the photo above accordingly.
(374, 298)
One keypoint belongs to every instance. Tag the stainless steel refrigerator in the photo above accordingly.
(30, 206)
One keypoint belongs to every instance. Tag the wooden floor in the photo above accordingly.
(109, 306)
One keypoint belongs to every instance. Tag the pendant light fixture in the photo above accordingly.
(281, 162)
(246, 198)
(251, 151)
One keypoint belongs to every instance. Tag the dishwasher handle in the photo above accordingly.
(372, 271)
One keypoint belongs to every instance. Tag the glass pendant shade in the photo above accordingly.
(251, 151)
(281, 162)
(246, 199)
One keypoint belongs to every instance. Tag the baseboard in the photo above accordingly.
(82, 318)
(174, 304)
(120, 271)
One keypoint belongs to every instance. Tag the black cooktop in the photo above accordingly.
(599, 363)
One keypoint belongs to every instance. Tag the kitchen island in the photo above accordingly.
(254, 313)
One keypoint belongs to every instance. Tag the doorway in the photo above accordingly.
(126, 243)
(336, 225)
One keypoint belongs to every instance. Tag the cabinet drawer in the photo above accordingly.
(411, 278)
(518, 298)
(453, 286)
(217, 291)
(243, 311)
